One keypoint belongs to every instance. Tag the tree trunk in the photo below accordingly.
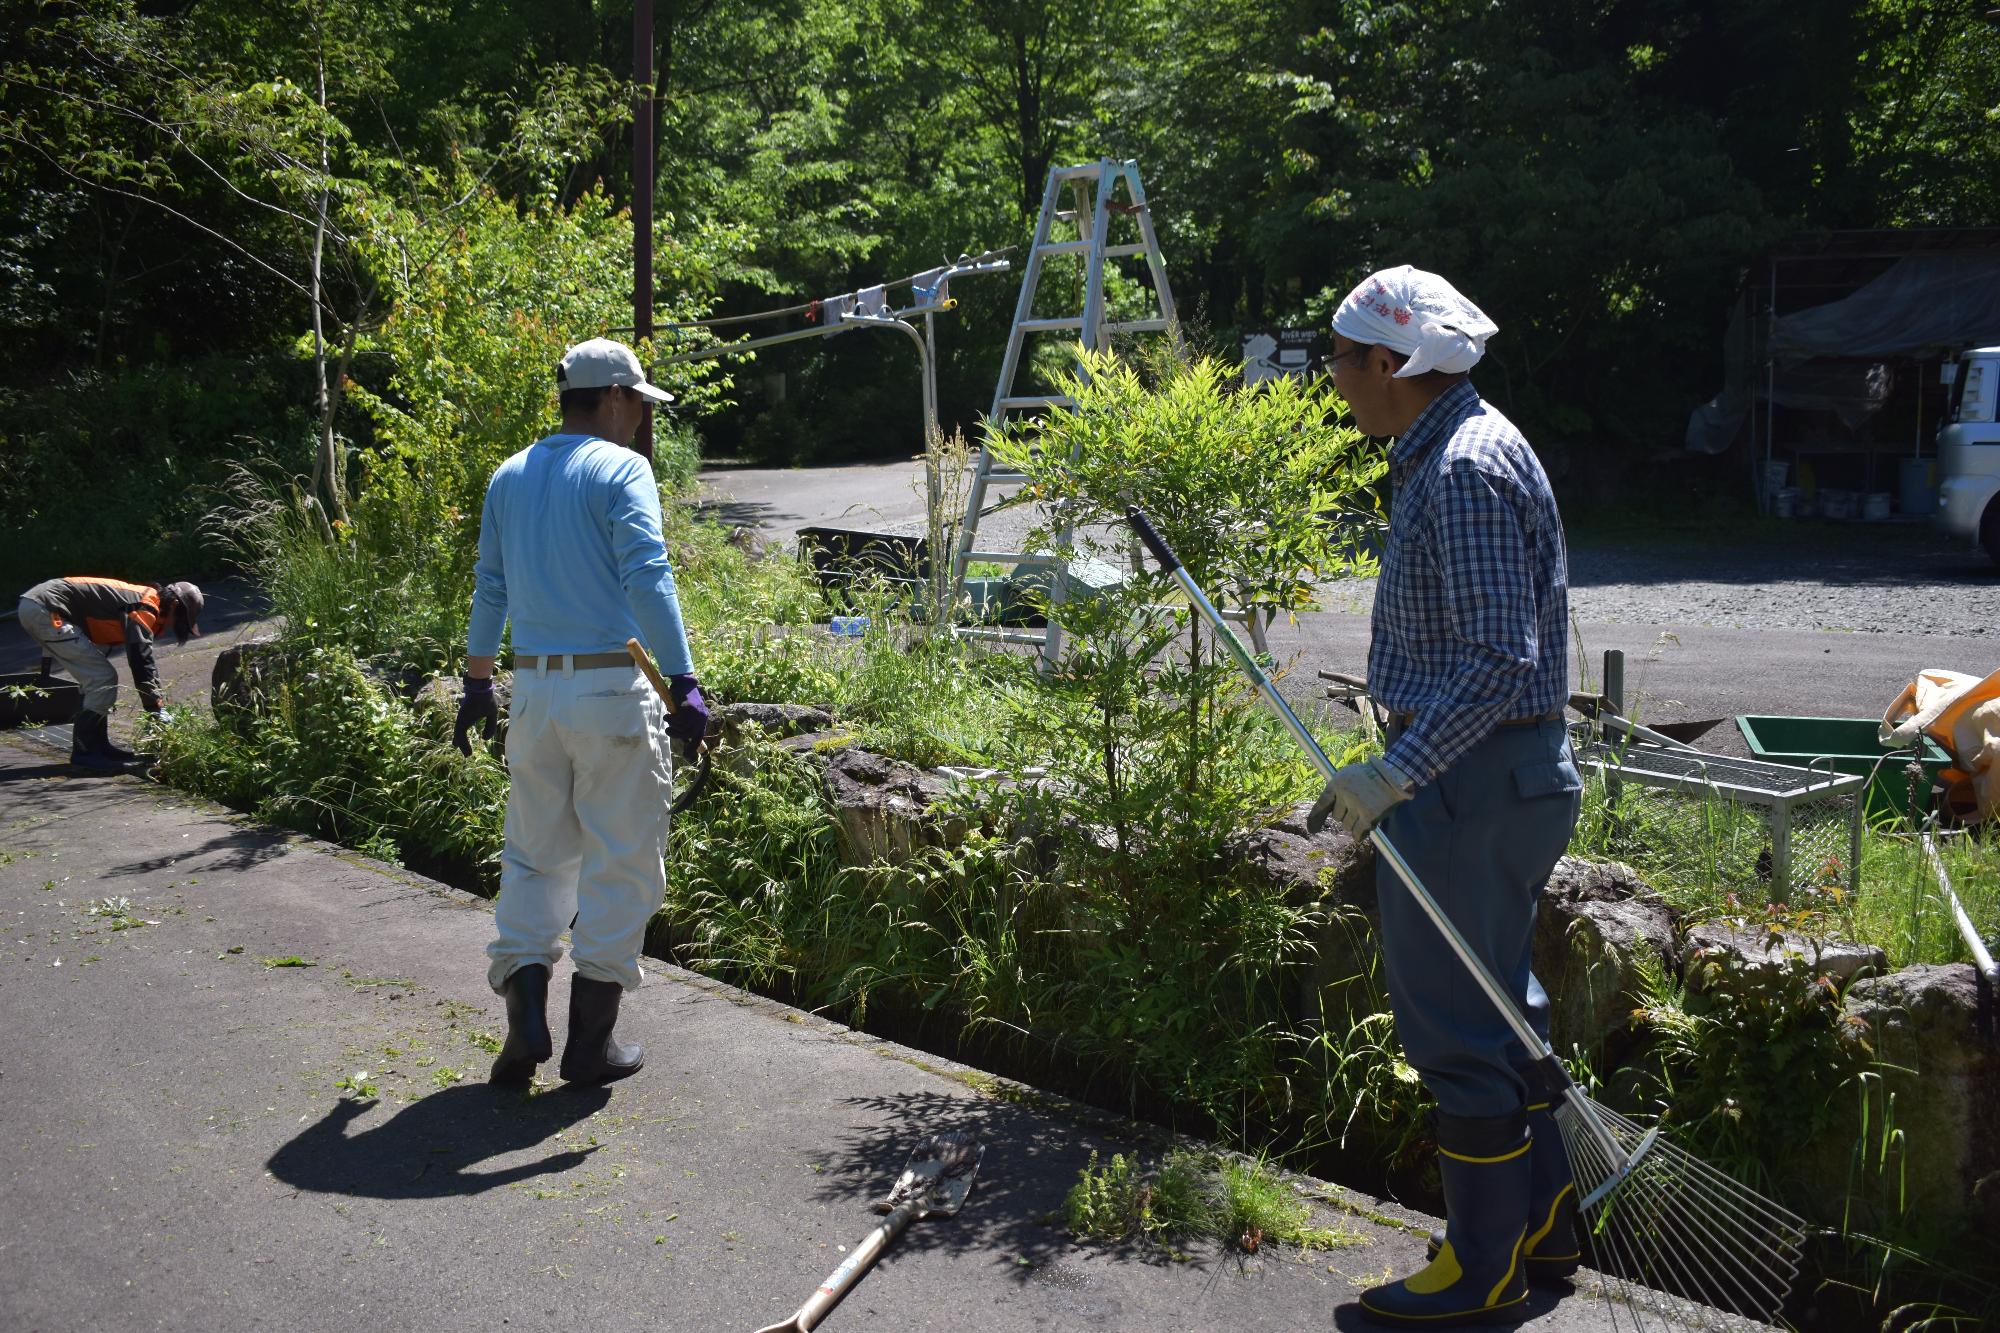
(1028, 112)
(328, 486)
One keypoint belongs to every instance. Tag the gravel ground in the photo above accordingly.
(1873, 578)
(1904, 579)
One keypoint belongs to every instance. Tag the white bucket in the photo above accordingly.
(1785, 502)
(1836, 504)
(1875, 506)
(1775, 473)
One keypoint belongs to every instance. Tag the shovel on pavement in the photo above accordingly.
(934, 1184)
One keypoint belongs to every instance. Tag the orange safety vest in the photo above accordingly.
(111, 633)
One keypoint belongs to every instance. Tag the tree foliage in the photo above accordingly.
(194, 181)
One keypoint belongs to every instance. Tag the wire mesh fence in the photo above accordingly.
(1715, 824)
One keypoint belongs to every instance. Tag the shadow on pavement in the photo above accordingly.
(1349, 1316)
(424, 1150)
(1014, 1212)
(245, 849)
(57, 769)
(744, 513)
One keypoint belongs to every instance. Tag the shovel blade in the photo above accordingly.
(938, 1176)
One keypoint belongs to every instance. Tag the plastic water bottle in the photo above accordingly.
(848, 627)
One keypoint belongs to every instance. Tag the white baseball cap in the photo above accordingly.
(601, 363)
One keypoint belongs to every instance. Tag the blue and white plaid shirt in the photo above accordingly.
(1471, 621)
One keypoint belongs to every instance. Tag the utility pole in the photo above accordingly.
(642, 193)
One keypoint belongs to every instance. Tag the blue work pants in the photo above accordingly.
(1483, 838)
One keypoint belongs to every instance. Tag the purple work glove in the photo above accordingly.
(476, 707)
(689, 719)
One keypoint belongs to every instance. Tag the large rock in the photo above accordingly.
(1330, 866)
(887, 809)
(1579, 881)
(1589, 953)
(1943, 1074)
(729, 725)
(1336, 874)
(1738, 955)
(242, 674)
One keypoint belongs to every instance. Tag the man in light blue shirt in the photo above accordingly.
(571, 551)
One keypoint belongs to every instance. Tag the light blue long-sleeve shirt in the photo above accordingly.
(570, 549)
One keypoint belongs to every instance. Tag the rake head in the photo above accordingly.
(1710, 1252)
(938, 1177)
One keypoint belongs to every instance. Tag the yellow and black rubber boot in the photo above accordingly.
(1476, 1276)
(1551, 1253)
(1552, 1250)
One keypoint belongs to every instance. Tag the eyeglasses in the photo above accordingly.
(1332, 364)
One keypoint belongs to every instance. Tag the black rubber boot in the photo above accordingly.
(86, 745)
(528, 1043)
(107, 746)
(1476, 1277)
(592, 1055)
(1551, 1253)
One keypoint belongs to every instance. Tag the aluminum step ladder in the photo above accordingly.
(1093, 188)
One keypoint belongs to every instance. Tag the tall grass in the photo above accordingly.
(1709, 859)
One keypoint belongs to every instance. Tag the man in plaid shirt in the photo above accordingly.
(1477, 787)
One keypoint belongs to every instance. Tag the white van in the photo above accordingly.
(1969, 451)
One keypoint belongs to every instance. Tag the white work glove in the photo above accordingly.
(1360, 794)
(162, 715)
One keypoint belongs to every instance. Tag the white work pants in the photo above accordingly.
(591, 774)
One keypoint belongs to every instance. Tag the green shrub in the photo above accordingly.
(333, 751)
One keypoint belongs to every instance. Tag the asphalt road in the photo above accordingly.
(242, 1087)
(1826, 621)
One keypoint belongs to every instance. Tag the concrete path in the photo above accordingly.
(189, 999)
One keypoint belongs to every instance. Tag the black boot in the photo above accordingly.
(528, 1042)
(592, 1055)
(86, 745)
(106, 746)
(1476, 1276)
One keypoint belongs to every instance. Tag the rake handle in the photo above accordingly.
(840, 1279)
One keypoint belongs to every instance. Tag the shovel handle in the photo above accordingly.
(840, 1279)
(645, 663)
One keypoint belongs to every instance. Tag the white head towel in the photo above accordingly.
(1419, 315)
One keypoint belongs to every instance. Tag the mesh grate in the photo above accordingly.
(1724, 823)
(1823, 845)
(1752, 777)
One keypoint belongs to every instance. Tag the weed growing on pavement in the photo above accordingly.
(1121, 1200)
(1191, 1196)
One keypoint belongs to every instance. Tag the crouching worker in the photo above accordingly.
(1477, 788)
(76, 619)
(571, 551)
